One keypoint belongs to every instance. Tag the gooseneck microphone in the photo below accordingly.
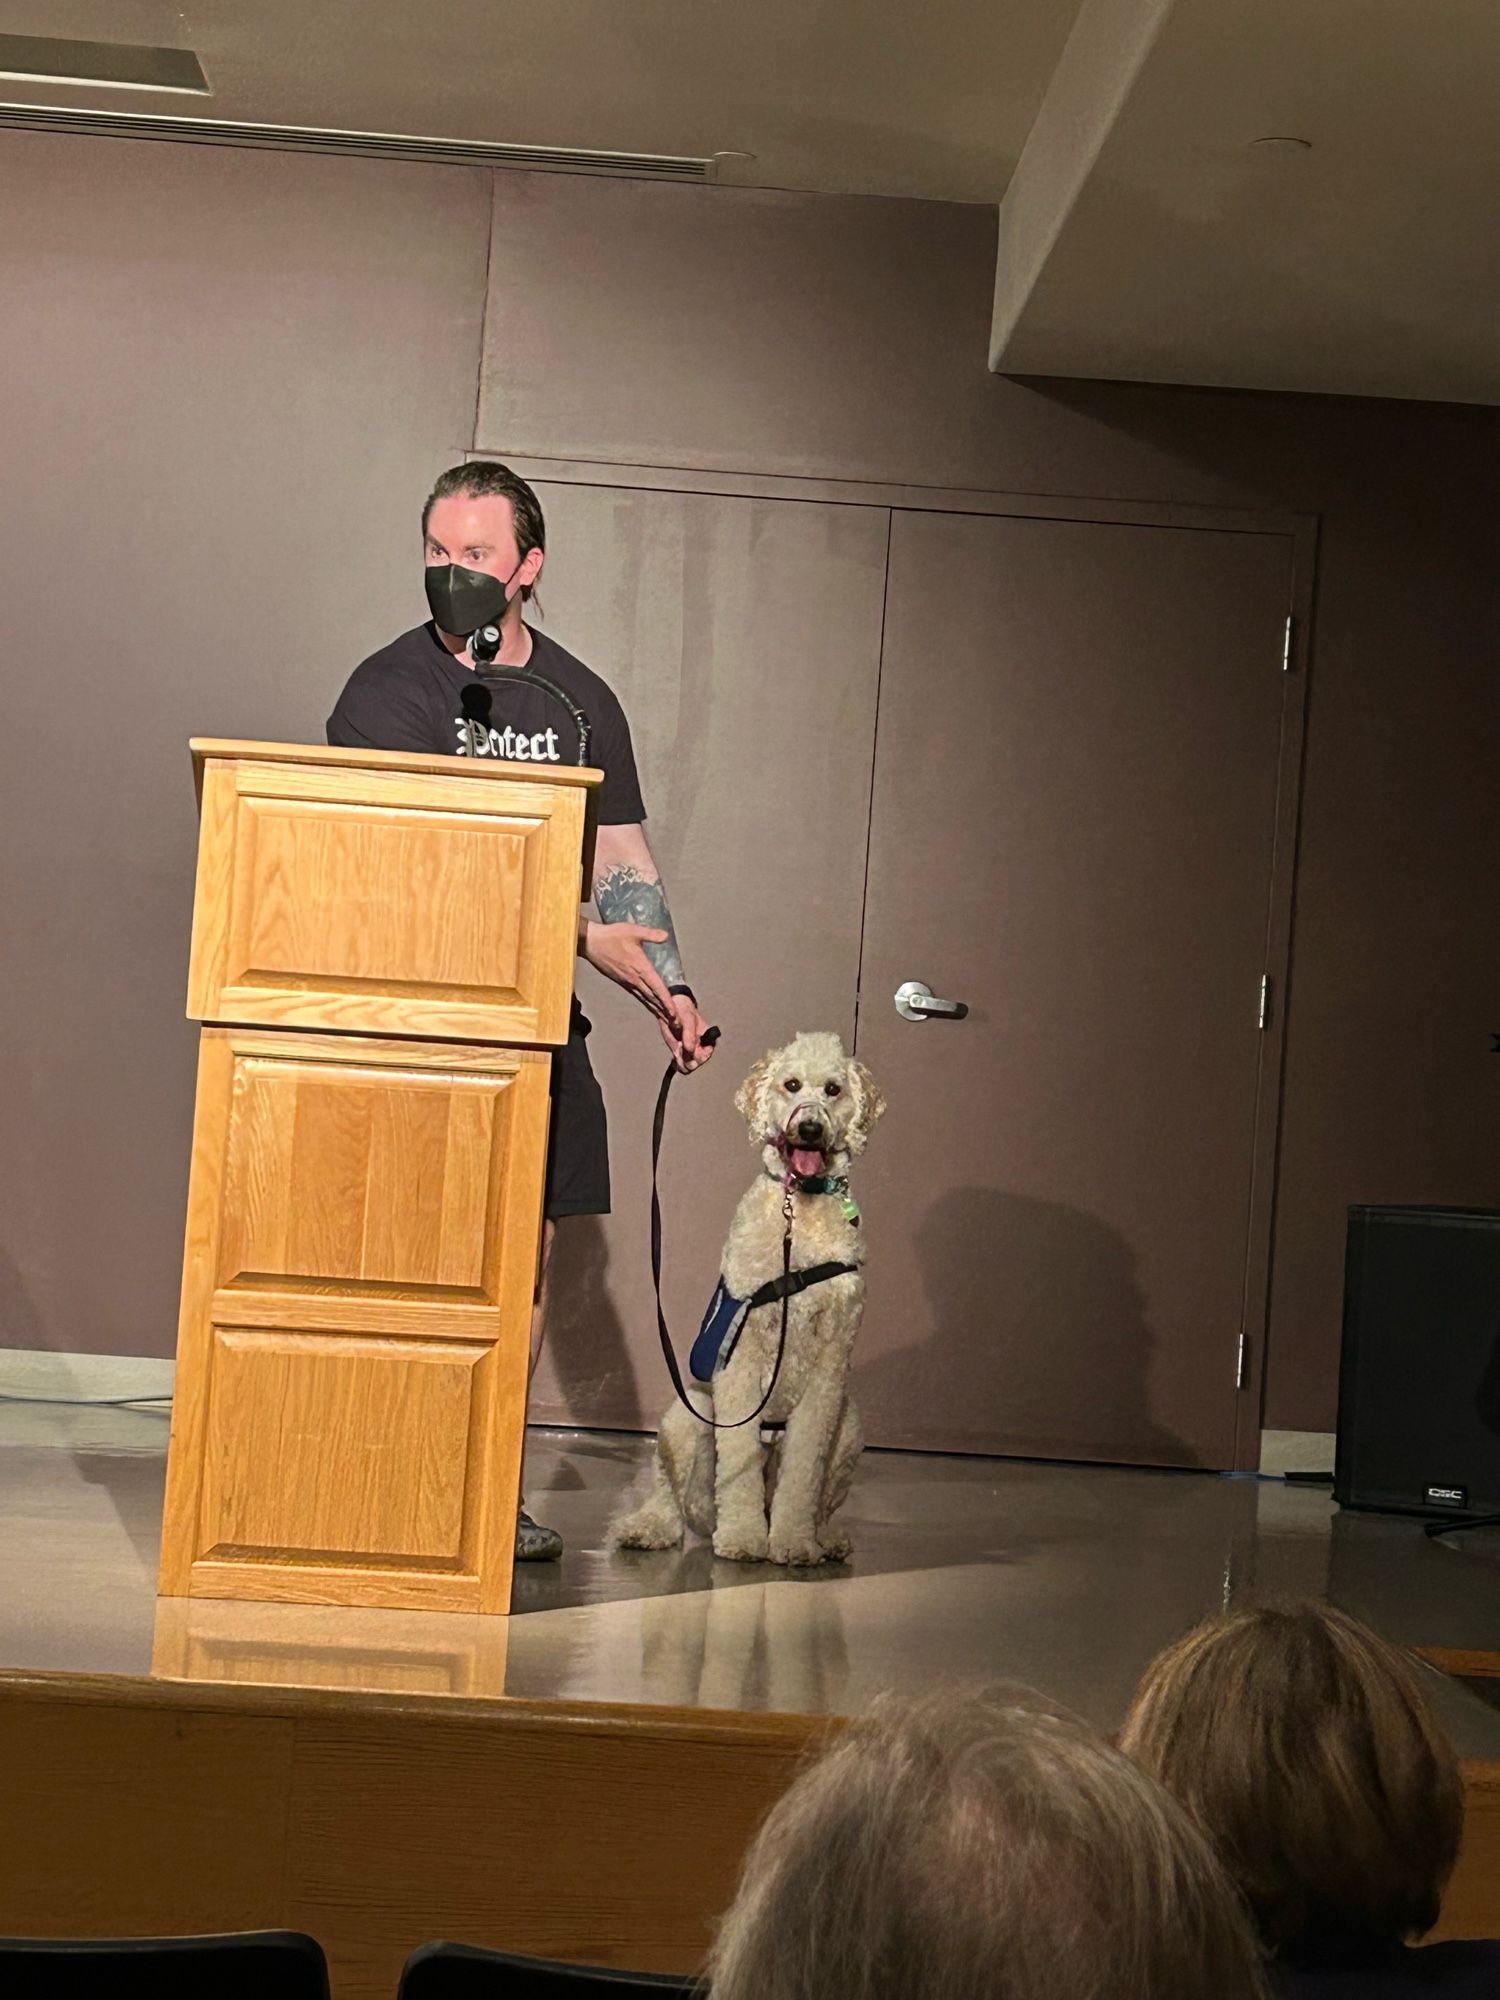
(483, 647)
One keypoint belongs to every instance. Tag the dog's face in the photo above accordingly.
(809, 1106)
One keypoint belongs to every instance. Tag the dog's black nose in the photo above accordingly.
(809, 1131)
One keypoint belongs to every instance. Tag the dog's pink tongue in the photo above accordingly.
(806, 1163)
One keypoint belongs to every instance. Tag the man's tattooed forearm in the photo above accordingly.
(623, 895)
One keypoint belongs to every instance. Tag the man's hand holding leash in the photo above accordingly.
(619, 951)
(684, 1035)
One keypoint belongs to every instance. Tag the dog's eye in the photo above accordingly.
(792, 1084)
(833, 1090)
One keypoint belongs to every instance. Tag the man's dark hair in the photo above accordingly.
(486, 478)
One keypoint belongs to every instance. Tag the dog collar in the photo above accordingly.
(835, 1184)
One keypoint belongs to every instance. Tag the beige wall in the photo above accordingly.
(228, 375)
(225, 378)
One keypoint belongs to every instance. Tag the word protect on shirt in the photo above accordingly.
(514, 745)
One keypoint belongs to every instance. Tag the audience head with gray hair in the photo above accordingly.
(982, 1847)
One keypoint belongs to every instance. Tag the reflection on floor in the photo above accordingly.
(1068, 1577)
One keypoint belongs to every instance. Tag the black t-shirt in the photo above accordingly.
(407, 697)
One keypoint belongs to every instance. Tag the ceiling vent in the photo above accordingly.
(119, 65)
(375, 145)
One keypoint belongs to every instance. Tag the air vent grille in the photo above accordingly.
(378, 145)
(120, 65)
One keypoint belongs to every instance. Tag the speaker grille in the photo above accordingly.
(1419, 1382)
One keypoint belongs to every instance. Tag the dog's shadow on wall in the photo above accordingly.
(1035, 1340)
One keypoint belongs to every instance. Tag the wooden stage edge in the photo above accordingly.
(1462, 1662)
(612, 1834)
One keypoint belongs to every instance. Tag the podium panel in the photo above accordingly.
(362, 1174)
(402, 899)
(363, 1225)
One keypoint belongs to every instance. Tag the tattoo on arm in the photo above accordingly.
(623, 895)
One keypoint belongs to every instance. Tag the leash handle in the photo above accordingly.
(658, 1126)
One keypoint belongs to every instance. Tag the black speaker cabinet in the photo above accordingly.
(1419, 1379)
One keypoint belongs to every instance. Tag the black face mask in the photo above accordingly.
(461, 600)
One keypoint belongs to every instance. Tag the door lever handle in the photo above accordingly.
(916, 1002)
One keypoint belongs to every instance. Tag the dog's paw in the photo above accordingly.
(645, 1531)
(741, 1545)
(797, 1551)
(837, 1548)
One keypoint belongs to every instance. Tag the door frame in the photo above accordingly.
(1300, 532)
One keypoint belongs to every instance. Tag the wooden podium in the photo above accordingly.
(382, 959)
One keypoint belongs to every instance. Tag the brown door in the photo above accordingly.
(1072, 833)
(743, 637)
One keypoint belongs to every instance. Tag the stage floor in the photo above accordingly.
(1068, 1577)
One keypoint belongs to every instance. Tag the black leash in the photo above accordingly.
(658, 1124)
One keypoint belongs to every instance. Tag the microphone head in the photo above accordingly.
(484, 645)
(476, 703)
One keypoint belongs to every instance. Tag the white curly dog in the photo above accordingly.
(810, 1108)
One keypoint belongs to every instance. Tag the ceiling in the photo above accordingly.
(842, 96)
(1144, 233)
(1153, 239)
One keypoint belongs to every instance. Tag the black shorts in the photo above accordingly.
(578, 1142)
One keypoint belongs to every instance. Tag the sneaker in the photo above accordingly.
(534, 1543)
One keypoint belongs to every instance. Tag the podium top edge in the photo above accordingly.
(206, 747)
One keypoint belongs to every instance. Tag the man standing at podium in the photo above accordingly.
(485, 542)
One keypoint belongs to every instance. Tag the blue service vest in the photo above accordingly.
(724, 1321)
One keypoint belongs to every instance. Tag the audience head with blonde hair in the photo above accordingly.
(1305, 1746)
(981, 1847)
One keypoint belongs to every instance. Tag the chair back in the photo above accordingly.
(242, 1965)
(442, 1971)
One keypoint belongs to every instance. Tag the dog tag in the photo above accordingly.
(851, 1209)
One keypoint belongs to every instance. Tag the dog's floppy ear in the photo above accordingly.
(748, 1094)
(869, 1103)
